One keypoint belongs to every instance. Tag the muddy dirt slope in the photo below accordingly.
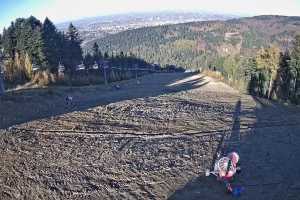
(151, 140)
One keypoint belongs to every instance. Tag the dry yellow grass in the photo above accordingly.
(240, 85)
(214, 74)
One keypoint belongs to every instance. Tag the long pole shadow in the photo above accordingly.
(205, 187)
(229, 140)
(234, 137)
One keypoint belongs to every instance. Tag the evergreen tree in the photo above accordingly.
(30, 40)
(51, 46)
(33, 44)
(0, 41)
(295, 68)
(88, 61)
(95, 48)
(252, 76)
(9, 40)
(97, 55)
(62, 47)
(73, 56)
(106, 56)
(284, 76)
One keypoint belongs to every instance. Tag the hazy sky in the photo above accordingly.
(64, 10)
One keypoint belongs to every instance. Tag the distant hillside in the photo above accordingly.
(198, 44)
(98, 27)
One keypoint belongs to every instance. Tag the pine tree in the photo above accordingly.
(295, 68)
(27, 39)
(106, 56)
(0, 41)
(88, 61)
(9, 41)
(62, 47)
(97, 55)
(73, 56)
(33, 41)
(50, 44)
(285, 77)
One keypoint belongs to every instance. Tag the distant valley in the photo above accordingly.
(204, 43)
(99, 27)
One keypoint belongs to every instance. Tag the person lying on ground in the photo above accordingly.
(227, 167)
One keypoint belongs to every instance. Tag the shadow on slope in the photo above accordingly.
(207, 187)
(26, 105)
(268, 141)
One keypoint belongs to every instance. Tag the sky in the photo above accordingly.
(67, 10)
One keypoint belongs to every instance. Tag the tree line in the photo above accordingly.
(197, 44)
(29, 45)
(270, 73)
(275, 74)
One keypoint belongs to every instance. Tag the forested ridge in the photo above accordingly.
(258, 54)
(196, 44)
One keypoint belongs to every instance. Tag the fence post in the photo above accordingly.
(105, 77)
(136, 72)
(2, 90)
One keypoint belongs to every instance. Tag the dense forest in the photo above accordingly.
(200, 44)
(32, 51)
(30, 45)
(258, 54)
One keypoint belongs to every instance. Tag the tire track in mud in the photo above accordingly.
(245, 127)
(140, 148)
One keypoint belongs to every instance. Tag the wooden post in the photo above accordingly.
(136, 72)
(2, 89)
(105, 77)
(136, 75)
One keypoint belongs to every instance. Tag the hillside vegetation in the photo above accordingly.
(258, 54)
(37, 53)
(197, 44)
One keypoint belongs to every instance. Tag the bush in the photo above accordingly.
(43, 78)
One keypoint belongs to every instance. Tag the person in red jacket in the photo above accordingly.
(226, 168)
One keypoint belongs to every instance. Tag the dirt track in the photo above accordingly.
(153, 141)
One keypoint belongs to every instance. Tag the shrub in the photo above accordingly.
(43, 78)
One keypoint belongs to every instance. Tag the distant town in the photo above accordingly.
(99, 27)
